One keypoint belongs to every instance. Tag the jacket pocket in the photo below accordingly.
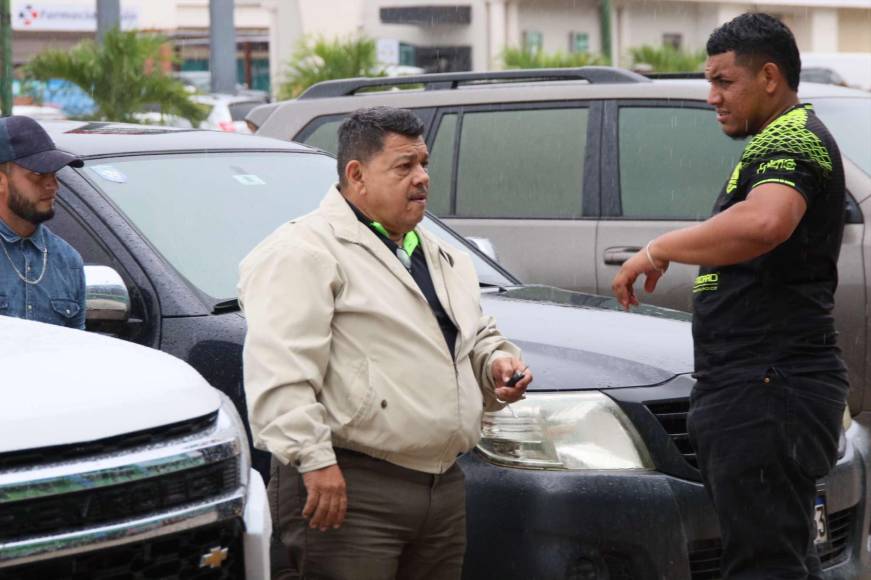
(353, 400)
(66, 309)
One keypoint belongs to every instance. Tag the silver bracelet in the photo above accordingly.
(650, 258)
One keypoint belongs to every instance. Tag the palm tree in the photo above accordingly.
(318, 59)
(119, 76)
(524, 58)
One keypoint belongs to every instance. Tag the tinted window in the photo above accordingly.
(523, 163)
(326, 136)
(673, 162)
(441, 161)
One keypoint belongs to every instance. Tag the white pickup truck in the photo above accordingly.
(118, 461)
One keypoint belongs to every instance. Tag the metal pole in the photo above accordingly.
(6, 78)
(605, 20)
(222, 50)
(108, 17)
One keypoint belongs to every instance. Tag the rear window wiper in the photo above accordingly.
(231, 305)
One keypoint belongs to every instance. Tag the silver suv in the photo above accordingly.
(568, 172)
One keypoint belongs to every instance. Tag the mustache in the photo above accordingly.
(422, 192)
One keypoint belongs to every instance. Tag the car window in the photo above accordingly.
(441, 162)
(238, 111)
(205, 226)
(522, 163)
(849, 120)
(326, 136)
(673, 162)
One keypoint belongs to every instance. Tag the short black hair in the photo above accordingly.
(757, 38)
(361, 135)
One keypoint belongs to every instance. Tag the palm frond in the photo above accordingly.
(317, 59)
(119, 76)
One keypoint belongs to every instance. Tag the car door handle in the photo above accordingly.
(618, 255)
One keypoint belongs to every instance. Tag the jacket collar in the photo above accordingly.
(347, 227)
(37, 238)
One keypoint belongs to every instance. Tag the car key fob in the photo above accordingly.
(515, 378)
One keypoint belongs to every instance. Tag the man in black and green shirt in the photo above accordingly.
(766, 412)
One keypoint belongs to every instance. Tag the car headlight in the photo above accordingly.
(230, 423)
(563, 431)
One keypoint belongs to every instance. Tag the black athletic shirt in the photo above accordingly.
(777, 309)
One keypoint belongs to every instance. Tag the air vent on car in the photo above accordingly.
(672, 415)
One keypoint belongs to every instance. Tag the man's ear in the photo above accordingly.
(772, 77)
(354, 174)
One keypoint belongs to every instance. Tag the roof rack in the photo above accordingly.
(442, 81)
(675, 75)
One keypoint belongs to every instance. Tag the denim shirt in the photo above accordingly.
(59, 297)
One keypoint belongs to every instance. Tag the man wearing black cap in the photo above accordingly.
(41, 275)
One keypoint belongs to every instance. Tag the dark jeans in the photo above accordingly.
(400, 524)
(762, 445)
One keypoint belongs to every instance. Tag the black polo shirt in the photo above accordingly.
(776, 309)
(420, 273)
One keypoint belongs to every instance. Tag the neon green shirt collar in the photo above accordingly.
(409, 243)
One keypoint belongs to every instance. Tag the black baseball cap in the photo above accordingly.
(24, 142)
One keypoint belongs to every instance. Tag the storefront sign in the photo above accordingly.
(64, 17)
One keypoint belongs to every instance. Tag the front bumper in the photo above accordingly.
(638, 525)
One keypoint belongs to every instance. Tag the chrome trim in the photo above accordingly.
(106, 295)
(61, 545)
(117, 469)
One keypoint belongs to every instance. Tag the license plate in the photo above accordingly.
(821, 517)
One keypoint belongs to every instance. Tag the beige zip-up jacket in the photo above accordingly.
(343, 349)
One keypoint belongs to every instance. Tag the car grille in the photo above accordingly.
(153, 436)
(170, 557)
(672, 415)
(836, 550)
(59, 513)
(705, 554)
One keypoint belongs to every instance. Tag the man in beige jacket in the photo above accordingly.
(368, 364)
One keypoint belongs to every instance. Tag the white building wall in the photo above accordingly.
(556, 19)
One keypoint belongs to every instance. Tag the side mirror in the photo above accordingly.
(485, 246)
(107, 300)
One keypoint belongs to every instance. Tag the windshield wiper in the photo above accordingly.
(500, 288)
(230, 305)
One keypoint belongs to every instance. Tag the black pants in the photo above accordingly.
(762, 445)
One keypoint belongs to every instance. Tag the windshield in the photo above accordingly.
(849, 120)
(205, 211)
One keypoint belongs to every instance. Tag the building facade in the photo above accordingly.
(441, 35)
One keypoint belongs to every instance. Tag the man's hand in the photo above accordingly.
(501, 371)
(327, 500)
(623, 285)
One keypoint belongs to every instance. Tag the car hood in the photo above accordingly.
(63, 386)
(572, 340)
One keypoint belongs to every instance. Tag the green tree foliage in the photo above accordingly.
(317, 59)
(121, 76)
(524, 58)
(666, 59)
